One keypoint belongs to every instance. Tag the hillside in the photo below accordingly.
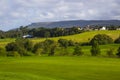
(84, 37)
(72, 23)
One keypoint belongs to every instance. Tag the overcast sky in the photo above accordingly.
(14, 13)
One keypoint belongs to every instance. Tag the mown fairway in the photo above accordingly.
(60, 68)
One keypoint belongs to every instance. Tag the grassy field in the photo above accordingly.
(63, 67)
(86, 49)
(60, 68)
(84, 37)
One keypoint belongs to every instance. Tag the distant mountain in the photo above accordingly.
(81, 23)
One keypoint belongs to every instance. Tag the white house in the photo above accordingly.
(103, 28)
(118, 29)
(27, 36)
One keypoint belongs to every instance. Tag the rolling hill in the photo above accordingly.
(71, 23)
(84, 37)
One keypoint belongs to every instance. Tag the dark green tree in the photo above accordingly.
(46, 34)
(95, 50)
(63, 43)
(78, 51)
(117, 40)
(101, 39)
(45, 47)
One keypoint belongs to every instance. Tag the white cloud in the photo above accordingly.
(22, 12)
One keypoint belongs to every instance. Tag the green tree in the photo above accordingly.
(102, 39)
(117, 40)
(78, 51)
(95, 50)
(46, 34)
(22, 46)
(63, 43)
(52, 49)
(45, 47)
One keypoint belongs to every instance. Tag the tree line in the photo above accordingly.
(47, 32)
(40, 32)
(25, 47)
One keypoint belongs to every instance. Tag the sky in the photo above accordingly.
(16, 13)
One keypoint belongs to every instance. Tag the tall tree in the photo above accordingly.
(95, 50)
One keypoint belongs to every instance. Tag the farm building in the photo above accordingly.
(27, 36)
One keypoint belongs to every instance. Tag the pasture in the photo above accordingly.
(57, 67)
(82, 37)
(60, 68)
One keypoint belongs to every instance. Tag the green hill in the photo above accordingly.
(84, 37)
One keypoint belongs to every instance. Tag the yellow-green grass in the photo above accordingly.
(3, 42)
(84, 37)
(60, 68)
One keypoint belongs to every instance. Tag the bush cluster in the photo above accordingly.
(24, 47)
(101, 39)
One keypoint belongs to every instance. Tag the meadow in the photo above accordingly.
(82, 37)
(85, 36)
(59, 68)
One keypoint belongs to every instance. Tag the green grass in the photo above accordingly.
(84, 37)
(86, 49)
(3, 42)
(63, 68)
(59, 68)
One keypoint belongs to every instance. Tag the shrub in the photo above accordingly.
(63, 43)
(38, 52)
(101, 39)
(118, 52)
(22, 46)
(52, 49)
(95, 49)
(46, 47)
(78, 51)
(110, 52)
(38, 46)
(13, 54)
(71, 43)
(26, 43)
(11, 46)
(117, 40)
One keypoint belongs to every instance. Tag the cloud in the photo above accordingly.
(23, 12)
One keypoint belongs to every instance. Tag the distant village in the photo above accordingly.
(90, 28)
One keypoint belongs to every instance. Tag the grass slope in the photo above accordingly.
(84, 37)
(59, 68)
